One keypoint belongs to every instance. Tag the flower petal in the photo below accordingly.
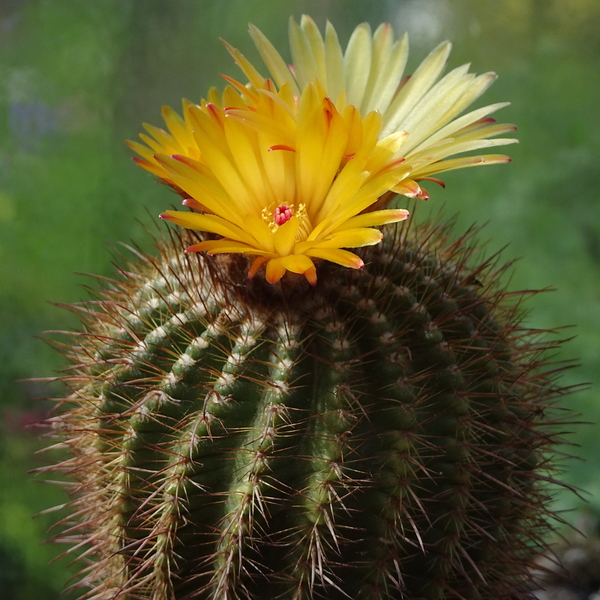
(338, 256)
(283, 238)
(376, 218)
(297, 263)
(275, 270)
(209, 223)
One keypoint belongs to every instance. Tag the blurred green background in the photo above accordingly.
(77, 77)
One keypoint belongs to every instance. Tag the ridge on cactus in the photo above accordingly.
(252, 420)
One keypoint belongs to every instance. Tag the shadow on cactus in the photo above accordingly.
(271, 415)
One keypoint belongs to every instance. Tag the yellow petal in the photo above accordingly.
(209, 223)
(226, 246)
(350, 238)
(255, 78)
(297, 263)
(285, 235)
(408, 187)
(259, 231)
(340, 257)
(275, 270)
(199, 184)
(376, 218)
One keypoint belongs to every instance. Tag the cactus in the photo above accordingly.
(382, 440)
(379, 433)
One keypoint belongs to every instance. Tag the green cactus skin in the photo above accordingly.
(382, 435)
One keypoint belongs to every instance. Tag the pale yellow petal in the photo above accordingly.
(388, 78)
(459, 148)
(461, 163)
(380, 47)
(316, 47)
(273, 60)
(421, 81)
(334, 58)
(357, 64)
(422, 121)
(458, 124)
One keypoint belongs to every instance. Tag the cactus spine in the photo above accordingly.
(382, 435)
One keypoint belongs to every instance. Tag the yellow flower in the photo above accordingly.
(297, 169)
(370, 75)
(283, 179)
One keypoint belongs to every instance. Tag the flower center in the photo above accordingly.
(282, 214)
(278, 216)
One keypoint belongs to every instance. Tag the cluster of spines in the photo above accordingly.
(217, 455)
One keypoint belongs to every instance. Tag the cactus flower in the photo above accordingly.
(299, 167)
(389, 436)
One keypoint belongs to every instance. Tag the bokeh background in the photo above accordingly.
(77, 77)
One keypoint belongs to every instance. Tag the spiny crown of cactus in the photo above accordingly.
(250, 419)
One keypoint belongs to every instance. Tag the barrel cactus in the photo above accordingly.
(269, 415)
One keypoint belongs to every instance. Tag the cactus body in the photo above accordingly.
(379, 436)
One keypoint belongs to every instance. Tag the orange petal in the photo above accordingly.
(258, 262)
(311, 275)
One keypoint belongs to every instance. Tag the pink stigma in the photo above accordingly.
(282, 214)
